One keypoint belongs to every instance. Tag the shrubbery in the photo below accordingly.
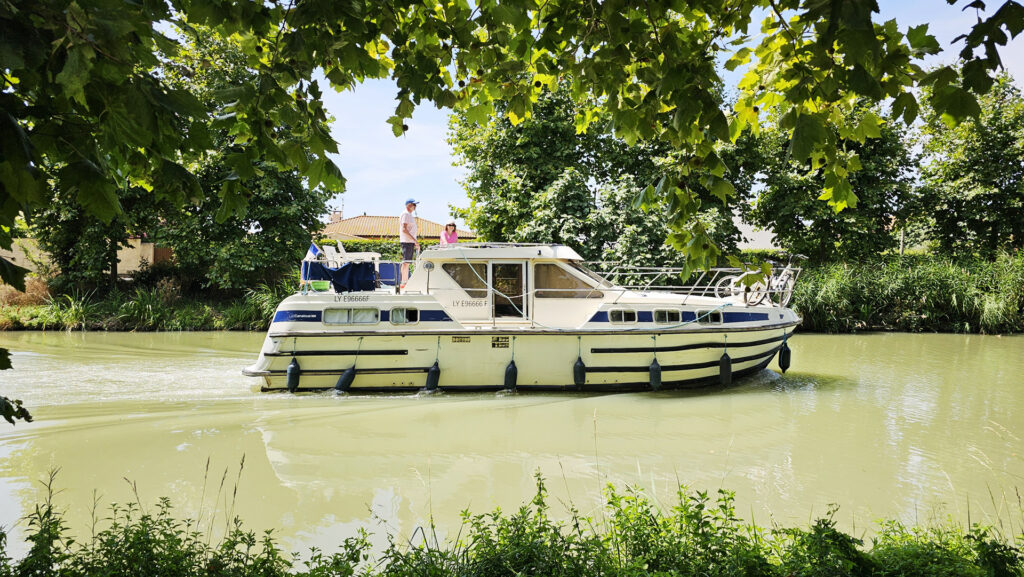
(914, 293)
(698, 536)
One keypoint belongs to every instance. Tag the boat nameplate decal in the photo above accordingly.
(297, 316)
(499, 342)
(459, 339)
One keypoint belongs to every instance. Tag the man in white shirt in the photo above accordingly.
(407, 238)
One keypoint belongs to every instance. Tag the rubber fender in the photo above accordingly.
(655, 371)
(345, 380)
(725, 370)
(784, 357)
(579, 373)
(433, 377)
(511, 375)
(292, 375)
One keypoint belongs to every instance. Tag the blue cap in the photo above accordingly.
(411, 201)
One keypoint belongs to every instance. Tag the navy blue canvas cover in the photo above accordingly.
(350, 277)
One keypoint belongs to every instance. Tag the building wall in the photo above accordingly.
(26, 253)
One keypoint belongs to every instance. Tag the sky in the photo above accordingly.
(383, 170)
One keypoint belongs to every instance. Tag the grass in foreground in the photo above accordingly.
(698, 536)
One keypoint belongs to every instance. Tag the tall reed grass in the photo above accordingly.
(148, 309)
(914, 294)
(699, 535)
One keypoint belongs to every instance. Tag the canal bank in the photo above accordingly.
(911, 427)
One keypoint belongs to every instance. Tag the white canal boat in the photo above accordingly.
(514, 316)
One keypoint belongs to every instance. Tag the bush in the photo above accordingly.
(694, 538)
(914, 293)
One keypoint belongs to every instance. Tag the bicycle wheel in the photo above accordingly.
(726, 286)
(755, 294)
(786, 291)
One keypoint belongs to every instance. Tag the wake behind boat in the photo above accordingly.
(493, 316)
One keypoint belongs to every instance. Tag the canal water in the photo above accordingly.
(913, 427)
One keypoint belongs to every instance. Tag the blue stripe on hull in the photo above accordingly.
(648, 317)
(385, 316)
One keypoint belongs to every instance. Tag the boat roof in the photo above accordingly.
(500, 250)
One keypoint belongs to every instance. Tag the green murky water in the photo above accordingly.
(884, 425)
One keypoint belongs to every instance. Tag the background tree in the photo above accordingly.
(82, 247)
(213, 245)
(972, 176)
(789, 201)
(243, 251)
(540, 180)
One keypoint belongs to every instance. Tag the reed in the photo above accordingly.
(698, 535)
(914, 293)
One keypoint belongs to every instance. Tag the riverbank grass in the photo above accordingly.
(700, 535)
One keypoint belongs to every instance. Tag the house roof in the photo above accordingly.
(385, 227)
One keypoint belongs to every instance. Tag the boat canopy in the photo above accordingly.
(500, 250)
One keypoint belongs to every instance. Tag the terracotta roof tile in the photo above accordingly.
(385, 227)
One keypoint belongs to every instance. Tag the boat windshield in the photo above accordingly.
(601, 282)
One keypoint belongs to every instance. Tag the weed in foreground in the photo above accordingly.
(697, 536)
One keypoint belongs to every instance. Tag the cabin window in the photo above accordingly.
(710, 317)
(668, 317)
(554, 282)
(405, 316)
(351, 316)
(336, 316)
(472, 278)
(365, 316)
(622, 316)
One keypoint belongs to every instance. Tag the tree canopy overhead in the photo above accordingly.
(83, 97)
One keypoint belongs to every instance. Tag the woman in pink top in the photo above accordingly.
(449, 236)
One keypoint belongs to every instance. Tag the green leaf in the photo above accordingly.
(722, 189)
(921, 41)
(11, 409)
(954, 104)
(95, 191)
(905, 105)
(869, 125)
(863, 82)
(12, 274)
(809, 133)
(976, 76)
(75, 73)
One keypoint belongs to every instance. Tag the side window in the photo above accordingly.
(554, 282)
(620, 316)
(365, 316)
(472, 280)
(710, 317)
(351, 316)
(337, 316)
(668, 317)
(405, 316)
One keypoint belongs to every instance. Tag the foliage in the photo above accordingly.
(214, 245)
(693, 537)
(540, 180)
(789, 206)
(973, 176)
(82, 246)
(914, 294)
(159, 308)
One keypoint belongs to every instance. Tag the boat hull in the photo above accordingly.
(544, 360)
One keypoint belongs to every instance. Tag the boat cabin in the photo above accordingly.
(510, 283)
